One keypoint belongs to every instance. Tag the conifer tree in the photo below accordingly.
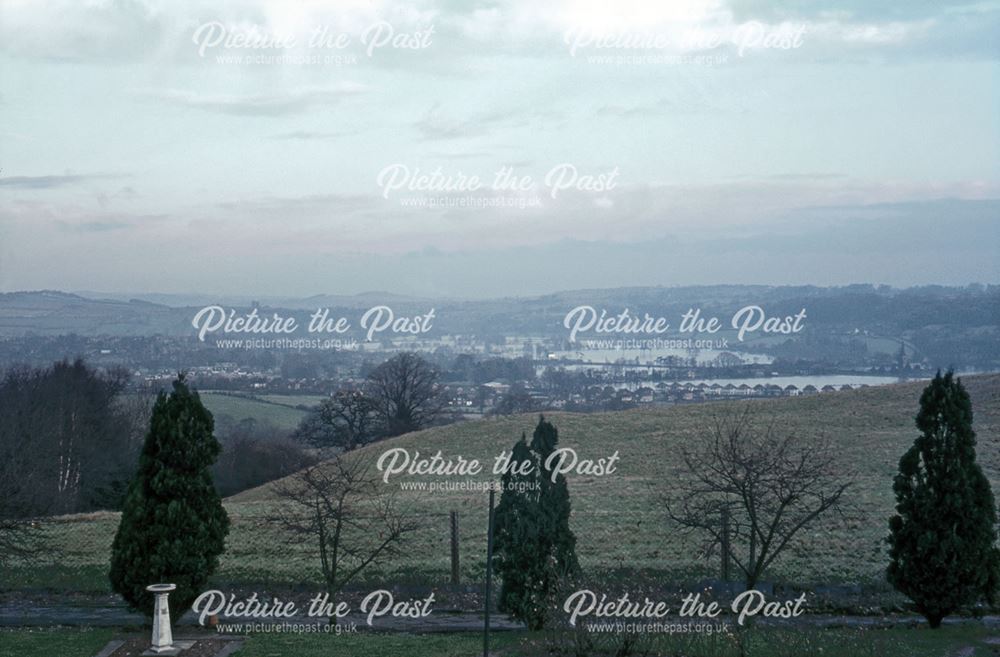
(173, 526)
(554, 501)
(516, 537)
(534, 548)
(942, 540)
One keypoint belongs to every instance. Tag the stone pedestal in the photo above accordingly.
(163, 640)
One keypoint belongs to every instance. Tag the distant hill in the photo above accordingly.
(59, 313)
(49, 312)
(945, 325)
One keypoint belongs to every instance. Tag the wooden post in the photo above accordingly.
(454, 548)
(489, 577)
(725, 544)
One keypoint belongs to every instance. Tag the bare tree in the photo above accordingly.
(342, 509)
(137, 408)
(406, 393)
(346, 420)
(749, 491)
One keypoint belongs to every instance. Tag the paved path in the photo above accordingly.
(34, 614)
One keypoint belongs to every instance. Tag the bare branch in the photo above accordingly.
(342, 509)
(768, 486)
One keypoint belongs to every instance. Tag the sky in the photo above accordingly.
(279, 148)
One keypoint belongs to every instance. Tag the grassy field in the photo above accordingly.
(618, 524)
(967, 640)
(41, 642)
(294, 400)
(282, 415)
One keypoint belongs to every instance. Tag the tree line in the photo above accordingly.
(69, 438)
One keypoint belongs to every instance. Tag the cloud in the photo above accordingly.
(294, 101)
(162, 30)
(306, 208)
(435, 124)
(807, 176)
(484, 33)
(308, 135)
(71, 30)
(858, 10)
(93, 226)
(126, 193)
(462, 155)
(832, 29)
(689, 98)
(51, 182)
(919, 29)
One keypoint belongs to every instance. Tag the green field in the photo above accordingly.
(294, 400)
(966, 639)
(281, 414)
(618, 525)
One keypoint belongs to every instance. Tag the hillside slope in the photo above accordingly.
(616, 517)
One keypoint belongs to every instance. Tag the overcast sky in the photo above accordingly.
(143, 150)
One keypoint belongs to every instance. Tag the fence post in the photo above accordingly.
(489, 578)
(454, 548)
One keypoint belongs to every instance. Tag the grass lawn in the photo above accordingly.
(370, 645)
(967, 639)
(85, 642)
(57, 642)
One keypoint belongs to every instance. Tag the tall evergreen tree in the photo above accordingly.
(942, 540)
(534, 547)
(517, 538)
(173, 526)
(554, 501)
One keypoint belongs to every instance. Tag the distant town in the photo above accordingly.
(497, 356)
(476, 377)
